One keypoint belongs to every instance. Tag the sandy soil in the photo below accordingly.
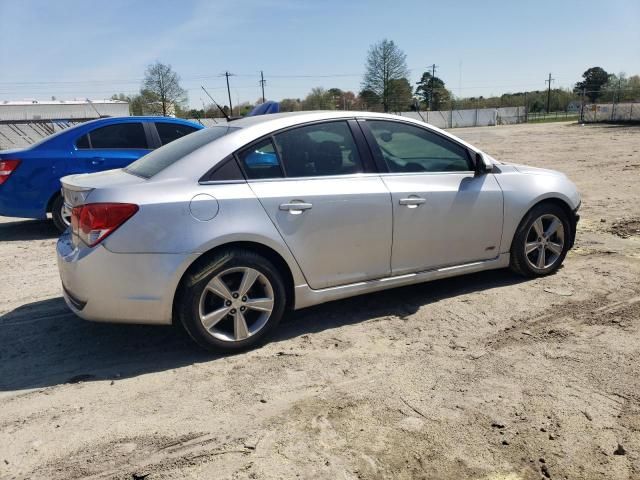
(483, 377)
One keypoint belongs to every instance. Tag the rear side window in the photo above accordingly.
(406, 148)
(159, 159)
(83, 142)
(321, 149)
(172, 131)
(261, 161)
(120, 135)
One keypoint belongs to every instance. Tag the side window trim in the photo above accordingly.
(153, 137)
(208, 178)
(75, 142)
(368, 163)
(377, 154)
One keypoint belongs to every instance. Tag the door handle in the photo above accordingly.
(295, 208)
(412, 202)
(97, 161)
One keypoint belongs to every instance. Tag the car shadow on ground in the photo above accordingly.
(43, 344)
(27, 230)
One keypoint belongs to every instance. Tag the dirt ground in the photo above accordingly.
(481, 377)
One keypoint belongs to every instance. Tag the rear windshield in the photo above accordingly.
(159, 159)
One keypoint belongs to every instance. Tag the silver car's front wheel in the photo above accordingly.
(236, 304)
(545, 241)
(232, 300)
(541, 241)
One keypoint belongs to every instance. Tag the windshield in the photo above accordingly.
(159, 159)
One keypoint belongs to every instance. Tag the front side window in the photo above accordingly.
(407, 148)
(120, 135)
(319, 150)
(169, 132)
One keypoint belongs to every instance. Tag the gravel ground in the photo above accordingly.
(483, 377)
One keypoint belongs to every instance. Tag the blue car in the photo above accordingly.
(30, 177)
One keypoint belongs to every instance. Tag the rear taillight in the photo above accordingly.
(93, 222)
(7, 167)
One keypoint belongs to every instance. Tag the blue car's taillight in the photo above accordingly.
(7, 167)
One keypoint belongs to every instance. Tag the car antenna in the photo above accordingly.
(94, 107)
(216, 104)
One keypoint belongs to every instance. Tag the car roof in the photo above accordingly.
(145, 118)
(306, 116)
(248, 129)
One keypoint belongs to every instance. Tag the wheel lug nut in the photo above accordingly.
(244, 299)
(242, 309)
(235, 295)
(233, 310)
(228, 303)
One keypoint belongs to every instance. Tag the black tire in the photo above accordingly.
(194, 283)
(519, 262)
(56, 213)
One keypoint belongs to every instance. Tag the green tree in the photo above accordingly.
(368, 100)
(593, 80)
(318, 99)
(290, 105)
(432, 92)
(385, 62)
(402, 98)
(161, 85)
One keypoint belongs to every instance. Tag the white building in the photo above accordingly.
(26, 110)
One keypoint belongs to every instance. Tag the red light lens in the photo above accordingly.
(7, 167)
(95, 221)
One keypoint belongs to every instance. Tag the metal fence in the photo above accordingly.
(610, 112)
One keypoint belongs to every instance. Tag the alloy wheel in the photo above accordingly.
(65, 214)
(236, 304)
(544, 242)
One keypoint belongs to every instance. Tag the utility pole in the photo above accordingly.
(433, 75)
(227, 74)
(549, 92)
(262, 83)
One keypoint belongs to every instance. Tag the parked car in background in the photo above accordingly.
(30, 177)
(226, 228)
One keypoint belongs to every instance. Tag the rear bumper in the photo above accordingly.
(103, 286)
(12, 207)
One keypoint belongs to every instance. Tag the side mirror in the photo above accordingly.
(482, 165)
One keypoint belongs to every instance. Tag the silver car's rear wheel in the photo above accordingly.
(236, 304)
(544, 243)
(231, 300)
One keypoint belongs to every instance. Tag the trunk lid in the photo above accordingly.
(77, 188)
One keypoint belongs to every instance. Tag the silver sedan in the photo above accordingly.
(227, 228)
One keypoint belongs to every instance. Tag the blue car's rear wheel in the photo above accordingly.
(60, 214)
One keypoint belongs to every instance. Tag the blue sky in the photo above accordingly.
(81, 49)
